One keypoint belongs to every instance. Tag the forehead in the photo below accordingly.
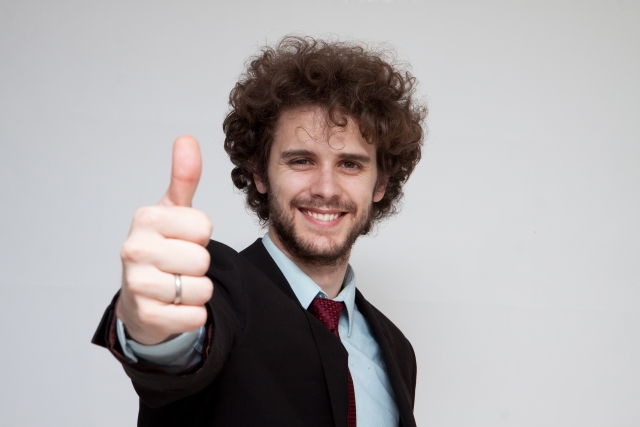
(310, 128)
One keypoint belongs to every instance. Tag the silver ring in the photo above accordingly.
(178, 298)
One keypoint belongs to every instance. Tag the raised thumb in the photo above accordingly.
(185, 172)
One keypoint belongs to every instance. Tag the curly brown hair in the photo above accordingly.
(345, 79)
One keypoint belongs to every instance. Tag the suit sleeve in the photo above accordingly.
(414, 376)
(225, 312)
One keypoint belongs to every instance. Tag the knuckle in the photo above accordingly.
(199, 262)
(203, 291)
(198, 318)
(136, 283)
(148, 315)
(207, 290)
(205, 228)
(133, 251)
(208, 229)
(146, 216)
(131, 283)
(202, 262)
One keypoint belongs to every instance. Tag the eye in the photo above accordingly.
(350, 165)
(300, 163)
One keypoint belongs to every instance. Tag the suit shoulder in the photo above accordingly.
(389, 324)
(391, 330)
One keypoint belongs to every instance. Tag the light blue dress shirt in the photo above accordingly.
(375, 403)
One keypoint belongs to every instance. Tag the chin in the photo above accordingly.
(313, 248)
(316, 244)
(321, 246)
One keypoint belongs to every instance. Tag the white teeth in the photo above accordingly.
(322, 217)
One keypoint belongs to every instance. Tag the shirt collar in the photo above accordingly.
(306, 289)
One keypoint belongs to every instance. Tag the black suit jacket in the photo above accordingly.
(266, 360)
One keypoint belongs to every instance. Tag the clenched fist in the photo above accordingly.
(166, 240)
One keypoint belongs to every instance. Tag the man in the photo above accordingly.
(323, 134)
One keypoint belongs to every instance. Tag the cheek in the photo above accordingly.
(293, 184)
(369, 187)
(287, 190)
(362, 195)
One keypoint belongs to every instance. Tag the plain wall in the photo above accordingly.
(513, 268)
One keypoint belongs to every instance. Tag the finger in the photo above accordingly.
(181, 257)
(169, 255)
(193, 290)
(175, 222)
(154, 320)
(176, 319)
(151, 283)
(185, 172)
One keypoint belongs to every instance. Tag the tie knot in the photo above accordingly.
(328, 312)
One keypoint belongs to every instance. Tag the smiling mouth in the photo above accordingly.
(322, 217)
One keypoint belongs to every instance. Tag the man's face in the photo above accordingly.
(322, 182)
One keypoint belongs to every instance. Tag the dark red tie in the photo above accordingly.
(328, 312)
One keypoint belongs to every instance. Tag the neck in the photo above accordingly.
(328, 277)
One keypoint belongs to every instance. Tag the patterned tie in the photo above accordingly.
(328, 312)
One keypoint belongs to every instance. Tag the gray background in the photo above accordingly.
(513, 268)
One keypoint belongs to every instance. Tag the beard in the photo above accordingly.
(308, 251)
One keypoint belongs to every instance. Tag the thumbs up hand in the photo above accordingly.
(165, 241)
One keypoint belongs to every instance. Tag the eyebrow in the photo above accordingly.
(288, 154)
(362, 158)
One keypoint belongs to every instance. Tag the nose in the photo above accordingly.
(326, 184)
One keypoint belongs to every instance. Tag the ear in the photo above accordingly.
(381, 187)
(260, 185)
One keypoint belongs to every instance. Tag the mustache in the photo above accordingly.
(341, 205)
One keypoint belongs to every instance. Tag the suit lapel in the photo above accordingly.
(333, 355)
(335, 362)
(258, 256)
(402, 394)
